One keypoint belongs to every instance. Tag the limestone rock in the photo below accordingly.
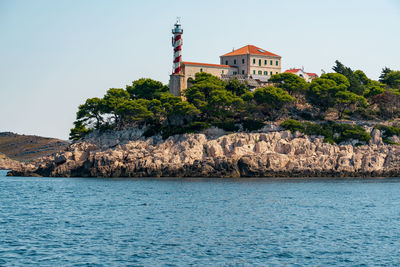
(263, 154)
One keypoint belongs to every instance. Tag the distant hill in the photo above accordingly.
(29, 147)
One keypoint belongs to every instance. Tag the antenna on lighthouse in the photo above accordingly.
(177, 32)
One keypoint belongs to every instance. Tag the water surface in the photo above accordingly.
(155, 222)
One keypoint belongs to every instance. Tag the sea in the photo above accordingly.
(199, 222)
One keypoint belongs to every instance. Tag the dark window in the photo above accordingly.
(270, 73)
(265, 72)
(226, 62)
(265, 62)
(259, 62)
(254, 61)
(260, 72)
(276, 72)
(242, 60)
(269, 62)
(254, 72)
(242, 71)
(277, 62)
(201, 70)
(234, 62)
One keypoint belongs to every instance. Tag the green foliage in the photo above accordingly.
(131, 111)
(357, 79)
(392, 79)
(322, 93)
(345, 99)
(146, 88)
(332, 132)
(237, 87)
(388, 103)
(382, 77)
(91, 110)
(274, 96)
(78, 131)
(252, 125)
(388, 131)
(289, 82)
(338, 78)
(228, 126)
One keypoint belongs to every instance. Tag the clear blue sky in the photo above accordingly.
(55, 54)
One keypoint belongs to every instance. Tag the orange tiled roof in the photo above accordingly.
(292, 71)
(312, 74)
(206, 64)
(252, 50)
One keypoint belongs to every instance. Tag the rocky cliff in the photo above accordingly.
(9, 164)
(264, 154)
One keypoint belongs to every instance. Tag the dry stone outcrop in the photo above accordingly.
(270, 154)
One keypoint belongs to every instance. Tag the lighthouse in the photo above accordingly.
(177, 32)
(177, 78)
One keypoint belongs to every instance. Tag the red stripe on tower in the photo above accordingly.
(177, 32)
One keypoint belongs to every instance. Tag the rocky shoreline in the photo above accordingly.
(264, 154)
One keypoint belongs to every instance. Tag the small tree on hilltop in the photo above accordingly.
(290, 82)
(347, 100)
(146, 88)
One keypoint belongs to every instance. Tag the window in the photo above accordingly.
(201, 70)
(265, 62)
(242, 60)
(260, 72)
(242, 71)
(254, 61)
(234, 62)
(226, 62)
(234, 73)
(259, 62)
(269, 62)
(277, 62)
(276, 72)
(254, 72)
(265, 72)
(270, 73)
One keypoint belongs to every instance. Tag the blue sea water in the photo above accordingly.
(198, 222)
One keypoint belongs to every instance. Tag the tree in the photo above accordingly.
(146, 88)
(78, 131)
(223, 104)
(237, 87)
(338, 78)
(322, 93)
(91, 110)
(132, 111)
(388, 103)
(355, 78)
(289, 82)
(345, 100)
(392, 79)
(274, 96)
(112, 99)
(382, 77)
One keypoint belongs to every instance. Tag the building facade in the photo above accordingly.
(249, 63)
(251, 60)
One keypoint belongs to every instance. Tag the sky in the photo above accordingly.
(56, 54)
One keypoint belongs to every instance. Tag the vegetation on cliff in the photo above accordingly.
(344, 94)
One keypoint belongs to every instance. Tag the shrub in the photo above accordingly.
(252, 125)
(228, 126)
(345, 132)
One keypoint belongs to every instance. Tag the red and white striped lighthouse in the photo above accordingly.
(177, 44)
